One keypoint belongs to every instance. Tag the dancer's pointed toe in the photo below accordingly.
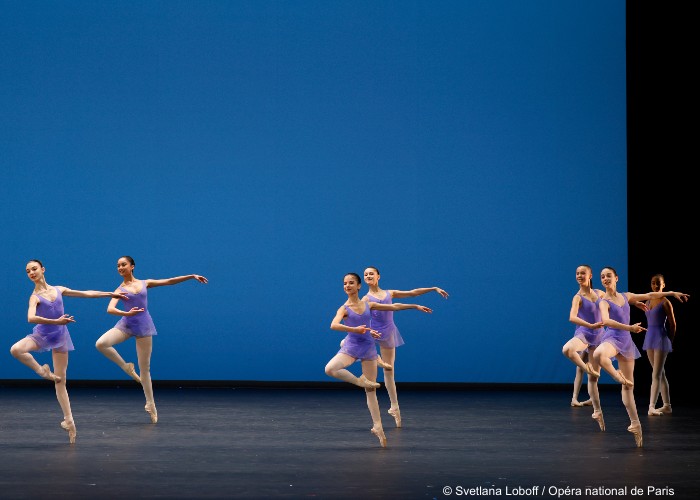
(598, 417)
(46, 373)
(636, 429)
(130, 370)
(396, 413)
(379, 432)
(151, 410)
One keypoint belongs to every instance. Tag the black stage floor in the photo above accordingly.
(314, 442)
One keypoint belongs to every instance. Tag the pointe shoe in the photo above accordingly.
(379, 432)
(588, 402)
(636, 429)
(576, 404)
(46, 373)
(591, 371)
(365, 382)
(131, 371)
(70, 428)
(598, 417)
(624, 381)
(382, 364)
(151, 410)
(396, 413)
(666, 409)
(654, 412)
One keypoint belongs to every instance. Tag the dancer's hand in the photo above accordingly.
(375, 334)
(201, 279)
(442, 292)
(121, 296)
(134, 311)
(65, 319)
(362, 329)
(683, 297)
(637, 327)
(424, 309)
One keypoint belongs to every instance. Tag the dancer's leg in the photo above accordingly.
(105, 345)
(60, 366)
(369, 371)
(595, 395)
(603, 356)
(627, 369)
(389, 355)
(571, 350)
(21, 350)
(336, 368)
(659, 383)
(144, 348)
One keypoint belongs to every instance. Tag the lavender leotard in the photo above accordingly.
(589, 311)
(621, 339)
(141, 324)
(358, 345)
(657, 334)
(49, 337)
(383, 322)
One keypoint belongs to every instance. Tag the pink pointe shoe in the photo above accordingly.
(636, 429)
(624, 381)
(46, 374)
(379, 432)
(666, 409)
(363, 381)
(69, 427)
(590, 371)
(396, 413)
(382, 364)
(654, 412)
(598, 417)
(131, 371)
(151, 410)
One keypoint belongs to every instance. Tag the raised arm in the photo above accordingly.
(91, 294)
(33, 318)
(174, 281)
(636, 297)
(417, 291)
(397, 306)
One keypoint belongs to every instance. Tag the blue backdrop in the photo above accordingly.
(273, 146)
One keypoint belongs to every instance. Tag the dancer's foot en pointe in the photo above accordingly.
(666, 409)
(363, 381)
(131, 371)
(590, 371)
(379, 432)
(598, 417)
(623, 380)
(151, 410)
(382, 364)
(636, 429)
(396, 413)
(45, 372)
(69, 427)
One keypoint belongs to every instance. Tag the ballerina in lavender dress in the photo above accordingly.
(51, 334)
(136, 322)
(353, 317)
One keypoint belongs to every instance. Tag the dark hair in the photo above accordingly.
(612, 269)
(660, 277)
(37, 261)
(590, 269)
(354, 275)
(375, 269)
(130, 259)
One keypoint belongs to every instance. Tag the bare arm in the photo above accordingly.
(417, 291)
(112, 306)
(636, 297)
(670, 319)
(397, 306)
(33, 318)
(573, 315)
(337, 324)
(607, 321)
(91, 294)
(174, 281)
